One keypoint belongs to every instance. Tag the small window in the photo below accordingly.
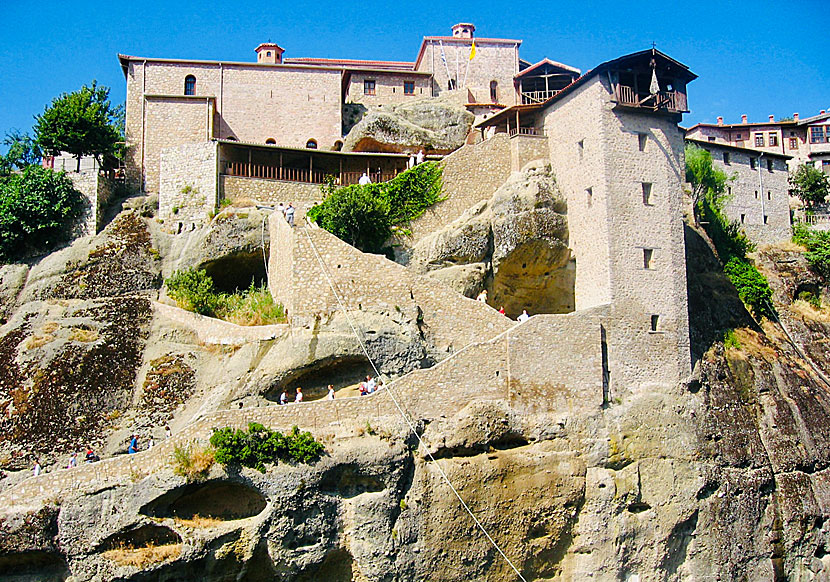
(409, 87)
(769, 195)
(743, 218)
(729, 190)
(311, 144)
(589, 196)
(369, 87)
(711, 138)
(655, 322)
(726, 158)
(190, 85)
(756, 195)
(271, 141)
(642, 139)
(739, 137)
(773, 139)
(769, 165)
(759, 140)
(793, 143)
(580, 146)
(817, 134)
(647, 193)
(451, 84)
(648, 258)
(753, 162)
(494, 91)
(267, 53)
(766, 218)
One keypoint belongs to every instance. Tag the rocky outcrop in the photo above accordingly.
(514, 245)
(434, 125)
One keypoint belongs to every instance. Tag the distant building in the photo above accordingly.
(758, 196)
(804, 140)
(300, 102)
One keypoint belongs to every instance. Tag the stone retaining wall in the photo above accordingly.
(217, 331)
(271, 192)
(188, 185)
(97, 191)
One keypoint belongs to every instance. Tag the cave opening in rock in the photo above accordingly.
(237, 271)
(337, 566)
(141, 537)
(222, 500)
(37, 565)
(348, 481)
(341, 372)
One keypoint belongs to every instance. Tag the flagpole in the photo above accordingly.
(470, 60)
(444, 59)
(456, 67)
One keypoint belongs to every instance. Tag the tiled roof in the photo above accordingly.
(354, 63)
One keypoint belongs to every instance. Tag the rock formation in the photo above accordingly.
(438, 125)
(515, 245)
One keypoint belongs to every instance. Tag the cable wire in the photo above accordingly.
(403, 414)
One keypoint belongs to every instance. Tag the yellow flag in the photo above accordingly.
(473, 51)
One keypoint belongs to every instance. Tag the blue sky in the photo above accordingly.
(760, 58)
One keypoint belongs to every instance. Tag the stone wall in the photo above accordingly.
(759, 197)
(368, 282)
(526, 148)
(494, 61)
(188, 190)
(471, 175)
(388, 88)
(171, 122)
(629, 246)
(97, 191)
(272, 192)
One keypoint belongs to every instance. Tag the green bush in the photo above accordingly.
(727, 235)
(37, 209)
(367, 216)
(818, 248)
(260, 445)
(193, 290)
(752, 286)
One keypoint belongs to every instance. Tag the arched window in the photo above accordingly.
(338, 145)
(494, 91)
(190, 85)
(311, 144)
(271, 141)
(267, 53)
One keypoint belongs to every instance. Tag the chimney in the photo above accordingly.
(743, 118)
(795, 116)
(463, 30)
(720, 120)
(772, 119)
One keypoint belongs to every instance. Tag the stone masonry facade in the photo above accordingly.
(188, 192)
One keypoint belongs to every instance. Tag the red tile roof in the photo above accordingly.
(353, 63)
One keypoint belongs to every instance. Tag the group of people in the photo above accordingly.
(522, 318)
(369, 386)
(298, 396)
(415, 159)
(287, 212)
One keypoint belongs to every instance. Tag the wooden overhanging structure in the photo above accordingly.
(541, 81)
(272, 162)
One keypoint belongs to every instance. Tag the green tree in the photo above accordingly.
(706, 180)
(83, 123)
(37, 208)
(23, 151)
(809, 184)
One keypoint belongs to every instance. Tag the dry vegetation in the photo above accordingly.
(198, 522)
(37, 341)
(192, 464)
(809, 311)
(79, 334)
(127, 555)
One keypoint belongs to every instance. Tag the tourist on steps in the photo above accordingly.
(289, 214)
(299, 397)
(331, 392)
(523, 317)
(133, 448)
(284, 397)
(37, 469)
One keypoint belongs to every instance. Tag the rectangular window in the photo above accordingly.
(648, 258)
(647, 194)
(793, 143)
(743, 218)
(409, 87)
(643, 139)
(589, 196)
(769, 195)
(726, 158)
(759, 140)
(773, 139)
(769, 165)
(655, 322)
(825, 166)
(752, 162)
(817, 134)
(369, 87)
(766, 218)
(739, 137)
(756, 195)
(729, 190)
(580, 145)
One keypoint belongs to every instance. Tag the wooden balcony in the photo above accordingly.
(266, 172)
(532, 97)
(532, 131)
(671, 101)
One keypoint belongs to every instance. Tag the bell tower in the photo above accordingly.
(269, 53)
(463, 30)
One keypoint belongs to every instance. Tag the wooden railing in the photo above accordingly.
(265, 172)
(530, 97)
(534, 131)
(664, 100)
(814, 219)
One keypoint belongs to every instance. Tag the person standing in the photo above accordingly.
(419, 159)
(364, 179)
(289, 214)
(73, 461)
(281, 209)
(411, 162)
(523, 317)
(299, 397)
(167, 432)
(284, 397)
(37, 469)
(133, 448)
(331, 392)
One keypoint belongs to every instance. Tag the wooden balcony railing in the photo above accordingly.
(530, 97)
(663, 101)
(534, 131)
(265, 172)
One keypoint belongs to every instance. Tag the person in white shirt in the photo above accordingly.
(289, 214)
(523, 317)
(419, 159)
(364, 179)
(331, 392)
(370, 384)
(299, 397)
(281, 209)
